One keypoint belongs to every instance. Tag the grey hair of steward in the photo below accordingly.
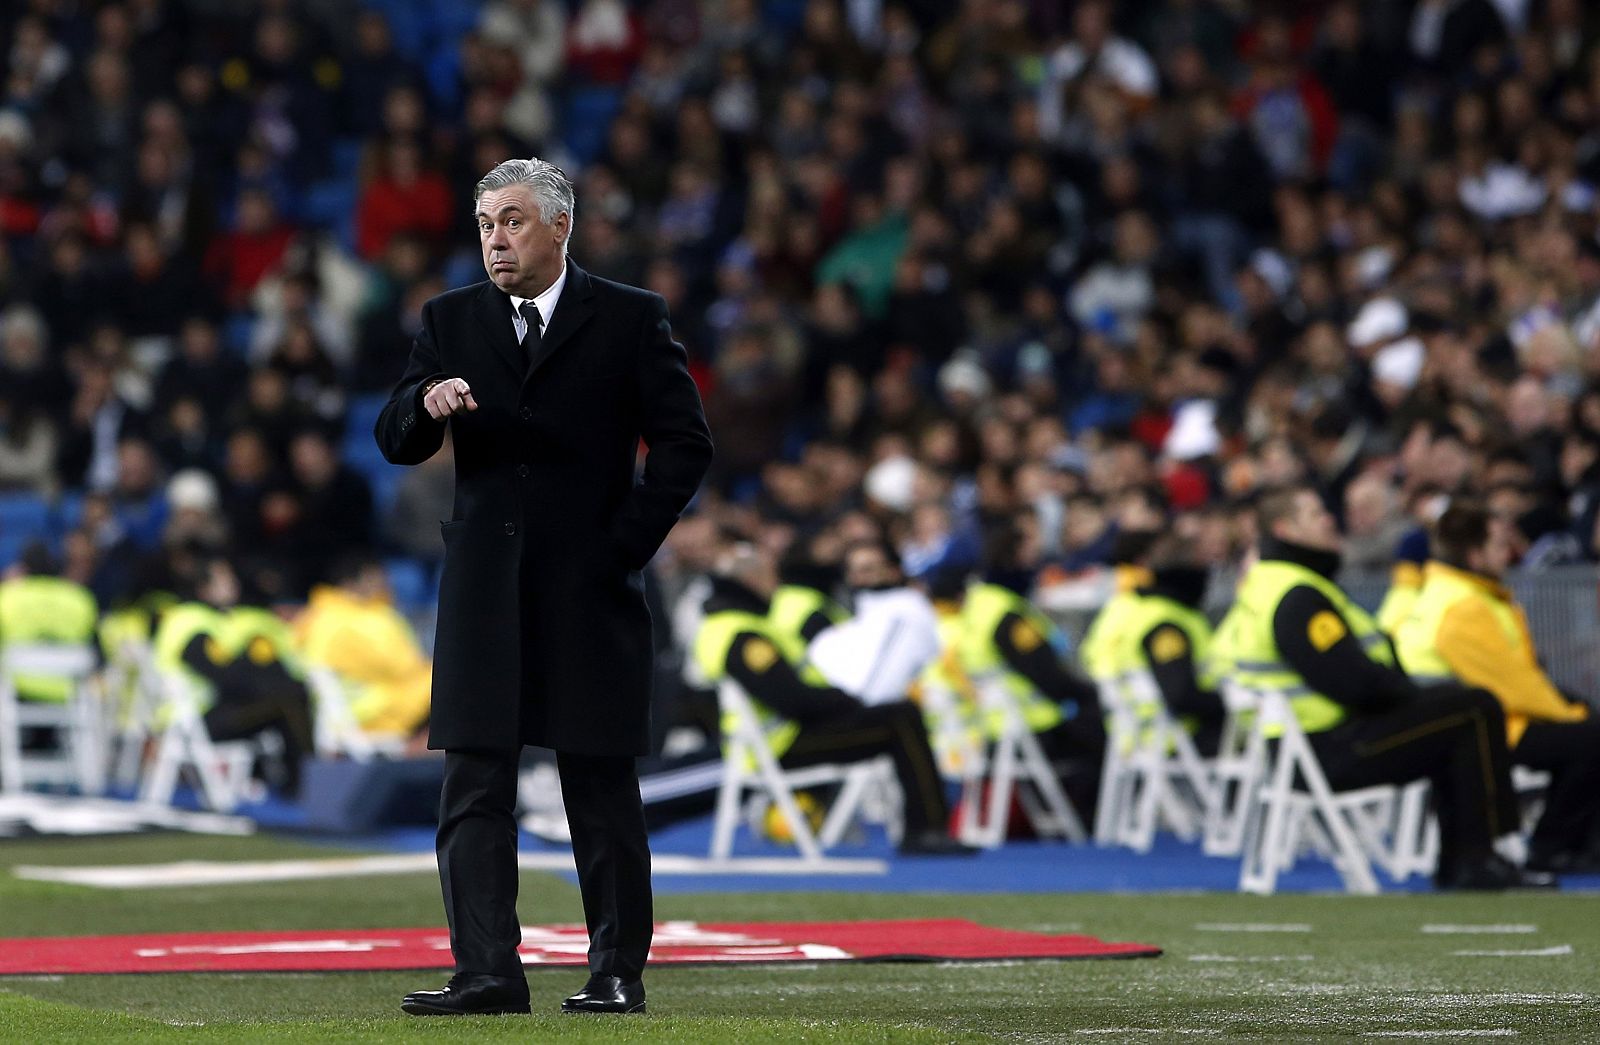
(552, 192)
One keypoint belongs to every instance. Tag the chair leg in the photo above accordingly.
(726, 822)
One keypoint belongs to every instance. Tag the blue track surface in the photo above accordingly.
(1017, 867)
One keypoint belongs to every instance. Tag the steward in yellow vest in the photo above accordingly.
(1465, 625)
(240, 663)
(1405, 584)
(1005, 638)
(1294, 631)
(38, 609)
(1158, 628)
(810, 724)
(352, 628)
(799, 613)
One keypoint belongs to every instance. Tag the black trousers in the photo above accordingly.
(1570, 753)
(895, 730)
(477, 847)
(1452, 735)
(254, 699)
(1076, 748)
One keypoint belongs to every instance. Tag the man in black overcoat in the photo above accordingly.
(548, 378)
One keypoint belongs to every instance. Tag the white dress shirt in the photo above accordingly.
(545, 303)
(877, 654)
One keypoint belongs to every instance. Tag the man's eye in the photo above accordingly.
(484, 227)
(513, 223)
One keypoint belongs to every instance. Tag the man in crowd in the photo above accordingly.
(809, 724)
(1293, 630)
(1467, 626)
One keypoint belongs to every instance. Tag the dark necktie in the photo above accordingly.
(531, 340)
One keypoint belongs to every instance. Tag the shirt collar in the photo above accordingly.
(545, 302)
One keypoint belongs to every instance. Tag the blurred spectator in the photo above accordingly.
(335, 504)
(402, 195)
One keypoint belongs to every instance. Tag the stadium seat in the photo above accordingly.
(585, 118)
(748, 765)
(411, 583)
(24, 518)
(1292, 807)
(1017, 757)
(1152, 775)
(79, 759)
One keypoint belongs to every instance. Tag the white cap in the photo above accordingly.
(891, 482)
(193, 489)
(1400, 364)
(964, 374)
(1381, 319)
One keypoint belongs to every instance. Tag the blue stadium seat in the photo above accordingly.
(411, 582)
(328, 203)
(587, 117)
(347, 159)
(360, 414)
(24, 518)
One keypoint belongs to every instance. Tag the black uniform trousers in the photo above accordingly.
(1570, 753)
(1452, 735)
(893, 729)
(254, 699)
(477, 848)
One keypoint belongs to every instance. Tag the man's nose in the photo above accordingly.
(497, 238)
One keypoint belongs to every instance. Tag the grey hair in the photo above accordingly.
(552, 192)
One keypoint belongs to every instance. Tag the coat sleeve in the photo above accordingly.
(674, 428)
(405, 432)
(1471, 642)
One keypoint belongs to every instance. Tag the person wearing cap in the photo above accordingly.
(877, 653)
(1293, 630)
(39, 607)
(1157, 627)
(807, 721)
(239, 664)
(1467, 626)
(1003, 637)
(801, 606)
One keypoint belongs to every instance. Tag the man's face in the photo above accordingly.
(521, 253)
(1312, 525)
(868, 568)
(1500, 550)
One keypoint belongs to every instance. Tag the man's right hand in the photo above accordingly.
(448, 396)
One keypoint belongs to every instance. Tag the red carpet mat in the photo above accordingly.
(675, 942)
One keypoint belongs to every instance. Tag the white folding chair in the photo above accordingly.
(955, 733)
(336, 728)
(1016, 757)
(1153, 775)
(866, 788)
(79, 759)
(221, 769)
(1293, 804)
(1235, 773)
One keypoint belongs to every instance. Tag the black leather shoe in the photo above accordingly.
(607, 994)
(934, 842)
(1493, 874)
(471, 994)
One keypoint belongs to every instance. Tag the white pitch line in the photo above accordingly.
(1192, 1031)
(1253, 927)
(208, 872)
(1498, 1032)
(1231, 958)
(1487, 930)
(1542, 952)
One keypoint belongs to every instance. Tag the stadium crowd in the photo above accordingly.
(996, 274)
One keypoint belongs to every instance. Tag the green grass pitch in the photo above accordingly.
(1363, 969)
